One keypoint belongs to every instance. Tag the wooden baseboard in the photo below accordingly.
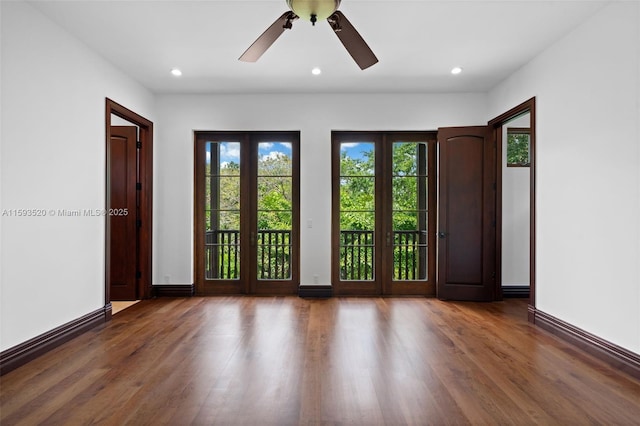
(21, 354)
(315, 291)
(614, 355)
(513, 291)
(174, 290)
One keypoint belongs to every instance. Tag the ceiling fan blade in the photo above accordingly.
(256, 50)
(352, 41)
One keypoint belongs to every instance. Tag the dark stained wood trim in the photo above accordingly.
(528, 106)
(146, 196)
(515, 291)
(614, 355)
(21, 354)
(315, 291)
(174, 290)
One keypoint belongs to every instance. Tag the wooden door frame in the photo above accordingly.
(144, 289)
(528, 106)
(248, 283)
(382, 283)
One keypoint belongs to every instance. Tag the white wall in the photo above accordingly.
(315, 116)
(515, 215)
(588, 172)
(53, 157)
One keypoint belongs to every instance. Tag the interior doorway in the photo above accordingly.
(515, 136)
(128, 212)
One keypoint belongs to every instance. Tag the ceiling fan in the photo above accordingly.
(314, 10)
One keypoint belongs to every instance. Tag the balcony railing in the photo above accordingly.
(357, 254)
(222, 254)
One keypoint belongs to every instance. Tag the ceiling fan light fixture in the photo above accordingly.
(316, 71)
(176, 72)
(456, 70)
(313, 10)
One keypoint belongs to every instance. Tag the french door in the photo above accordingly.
(247, 212)
(383, 213)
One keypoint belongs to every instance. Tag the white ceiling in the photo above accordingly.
(417, 42)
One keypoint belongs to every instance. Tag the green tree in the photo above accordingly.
(518, 148)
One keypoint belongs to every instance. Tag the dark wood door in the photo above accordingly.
(121, 213)
(466, 234)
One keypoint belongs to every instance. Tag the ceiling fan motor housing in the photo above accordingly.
(312, 10)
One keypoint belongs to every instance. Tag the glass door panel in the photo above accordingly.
(222, 211)
(357, 211)
(383, 204)
(246, 219)
(273, 238)
(409, 193)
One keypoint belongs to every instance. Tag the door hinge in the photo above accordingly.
(139, 186)
(495, 186)
(138, 144)
(493, 223)
(139, 223)
(138, 274)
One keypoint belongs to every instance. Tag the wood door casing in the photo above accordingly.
(115, 112)
(121, 212)
(467, 203)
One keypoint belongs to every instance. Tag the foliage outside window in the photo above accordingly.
(358, 210)
(518, 147)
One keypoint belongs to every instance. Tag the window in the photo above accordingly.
(518, 147)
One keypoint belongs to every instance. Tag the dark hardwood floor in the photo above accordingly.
(286, 360)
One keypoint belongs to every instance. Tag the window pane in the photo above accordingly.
(357, 193)
(517, 148)
(275, 159)
(229, 192)
(357, 253)
(405, 158)
(410, 246)
(357, 221)
(222, 245)
(409, 193)
(228, 158)
(222, 255)
(357, 159)
(274, 254)
(275, 193)
(274, 220)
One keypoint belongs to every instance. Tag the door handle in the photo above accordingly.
(441, 235)
(388, 239)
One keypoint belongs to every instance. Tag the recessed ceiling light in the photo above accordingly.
(456, 70)
(176, 72)
(316, 71)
